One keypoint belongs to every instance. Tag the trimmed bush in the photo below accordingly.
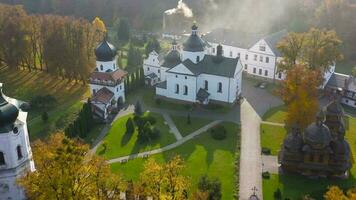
(277, 194)
(218, 132)
(266, 175)
(266, 151)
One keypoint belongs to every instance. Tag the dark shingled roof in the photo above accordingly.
(162, 85)
(317, 136)
(209, 65)
(273, 39)
(152, 76)
(194, 44)
(105, 52)
(232, 37)
(202, 95)
(337, 81)
(8, 114)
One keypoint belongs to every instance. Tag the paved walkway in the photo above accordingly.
(172, 126)
(168, 147)
(270, 164)
(250, 159)
(272, 123)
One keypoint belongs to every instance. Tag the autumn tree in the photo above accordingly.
(64, 170)
(164, 181)
(299, 91)
(335, 193)
(99, 28)
(316, 49)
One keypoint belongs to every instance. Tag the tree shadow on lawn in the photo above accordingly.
(126, 138)
(296, 186)
(209, 145)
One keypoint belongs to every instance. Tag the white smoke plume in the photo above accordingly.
(181, 8)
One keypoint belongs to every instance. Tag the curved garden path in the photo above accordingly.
(168, 147)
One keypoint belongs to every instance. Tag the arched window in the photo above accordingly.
(2, 158)
(198, 59)
(101, 67)
(19, 152)
(220, 87)
(177, 89)
(266, 72)
(185, 90)
(206, 85)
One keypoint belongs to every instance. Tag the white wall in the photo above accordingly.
(349, 102)
(181, 80)
(112, 65)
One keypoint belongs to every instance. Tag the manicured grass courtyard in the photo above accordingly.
(185, 128)
(203, 155)
(293, 186)
(119, 143)
(277, 114)
(272, 137)
(25, 85)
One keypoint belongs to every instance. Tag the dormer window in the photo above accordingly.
(2, 158)
(198, 59)
(101, 67)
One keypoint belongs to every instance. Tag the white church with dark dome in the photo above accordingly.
(107, 81)
(192, 74)
(15, 150)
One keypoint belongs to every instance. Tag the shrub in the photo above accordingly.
(130, 126)
(138, 109)
(266, 151)
(266, 175)
(158, 101)
(211, 186)
(44, 116)
(218, 132)
(277, 194)
(155, 133)
(149, 118)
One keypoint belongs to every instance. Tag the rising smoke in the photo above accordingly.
(257, 16)
(181, 8)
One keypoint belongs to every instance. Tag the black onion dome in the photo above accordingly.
(293, 142)
(194, 43)
(105, 52)
(8, 114)
(318, 136)
(172, 56)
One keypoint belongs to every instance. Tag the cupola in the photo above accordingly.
(8, 113)
(105, 52)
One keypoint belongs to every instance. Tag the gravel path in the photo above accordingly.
(172, 126)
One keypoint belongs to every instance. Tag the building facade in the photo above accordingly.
(107, 81)
(347, 84)
(15, 150)
(193, 75)
(259, 57)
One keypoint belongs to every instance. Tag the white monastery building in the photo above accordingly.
(347, 84)
(15, 150)
(193, 74)
(259, 57)
(107, 81)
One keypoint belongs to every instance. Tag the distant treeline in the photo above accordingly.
(59, 45)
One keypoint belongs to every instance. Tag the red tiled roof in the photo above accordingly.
(104, 95)
(114, 76)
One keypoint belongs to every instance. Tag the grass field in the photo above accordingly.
(25, 85)
(185, 128)
(203, 155)
(277, 114)
(272, 137)
(293, 186)
(121, 144)
(345, 67)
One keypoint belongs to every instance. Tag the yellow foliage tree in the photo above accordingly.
(65, 171)
(299, 91)
(99, 25)
(335, 193)
(164, 181)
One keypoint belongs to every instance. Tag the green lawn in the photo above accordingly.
(293, 186)
(277, 114)
(203, 155)
(121, 144)
(24, 85)
(185, 128)
(272, 137)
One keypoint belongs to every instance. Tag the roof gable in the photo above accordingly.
(181, 69)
